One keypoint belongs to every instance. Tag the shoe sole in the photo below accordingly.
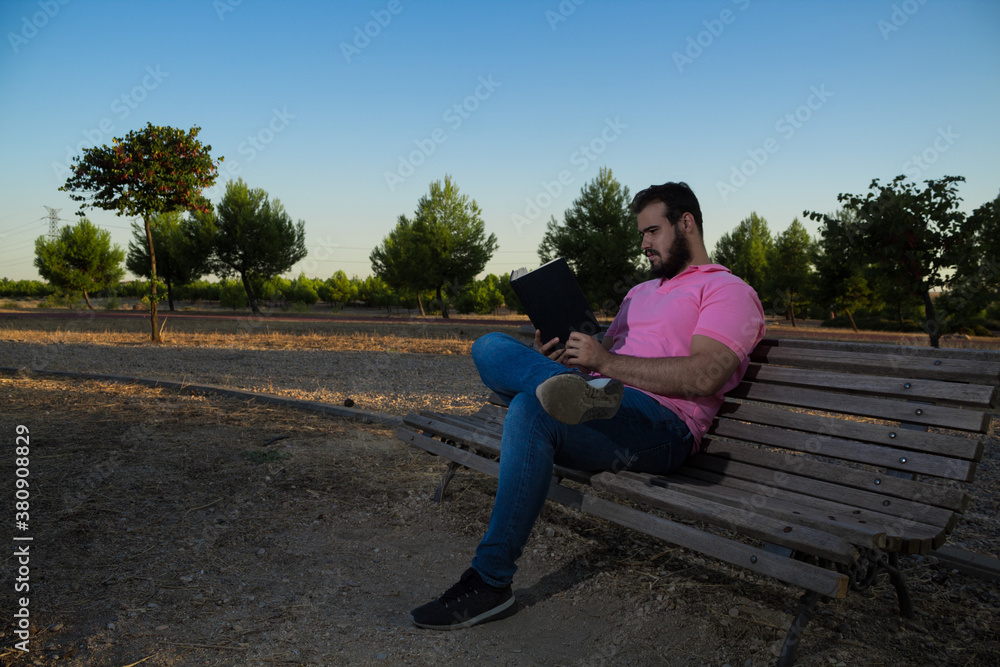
(571, 399)
(503, 610)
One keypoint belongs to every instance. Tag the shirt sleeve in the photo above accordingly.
(732, 314)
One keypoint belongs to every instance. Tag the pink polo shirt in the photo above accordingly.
(659, 317)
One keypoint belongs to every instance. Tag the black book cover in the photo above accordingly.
(554, 301)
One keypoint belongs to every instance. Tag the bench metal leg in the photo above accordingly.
(897, 579)
(807, 606)
(445, 479)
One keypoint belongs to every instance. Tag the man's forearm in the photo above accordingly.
(700, 375)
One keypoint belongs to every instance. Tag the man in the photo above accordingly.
(641, 400)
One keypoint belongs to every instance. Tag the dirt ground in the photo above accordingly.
(171, 529)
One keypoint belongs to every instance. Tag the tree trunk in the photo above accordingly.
(442, 303)
(851, 318)
(791, 306)
(87, 299)
(421, 304)
(930, 322)
(251, 299)
(152, 284)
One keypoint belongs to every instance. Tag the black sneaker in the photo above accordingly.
(469, 602)
(573, 398)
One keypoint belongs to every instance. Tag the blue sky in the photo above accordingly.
(346, 111)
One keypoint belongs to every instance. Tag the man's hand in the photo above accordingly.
(584, 352)
(549, 349)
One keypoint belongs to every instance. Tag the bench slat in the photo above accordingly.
(849, 450)
(929, 415)
(795, 572)
(479, 441)
(852, 525)
(800, 475)
(955, 446)
(907, 536)
(935, 391)
(893, 364)
(764, 528)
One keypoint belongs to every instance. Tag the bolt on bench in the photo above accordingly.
(827, 462)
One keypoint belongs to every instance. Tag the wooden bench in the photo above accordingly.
(824, 465)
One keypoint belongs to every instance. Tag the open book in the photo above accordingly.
(554, 301)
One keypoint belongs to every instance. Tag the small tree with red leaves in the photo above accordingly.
(152, 170)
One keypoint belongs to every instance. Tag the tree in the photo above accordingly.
(597, 238)
(179, 256)
(481, 297)
(254, 237)
(442, 248)
(841, 282)
(977, 274)
(790, 266)
(153, 170)
(912, 236)
(745, 251)
(304, 290)
(338, 288)
(81, 259)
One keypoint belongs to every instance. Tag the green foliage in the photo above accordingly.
(445, 243)
(338, 289)
(509, 296)
(790, 269)
(746, 250)
(81, 258)
(60, 299)
(912, 237)
(254, 237)
(232, 295)
(598, 240)
(481, 296)
(304, 290)
(179, 256)
(199, 290)
(25, 289)
(976, 283)
(136, 289)
(152, 170)
(374, 292)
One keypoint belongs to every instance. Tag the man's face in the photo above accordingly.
(665, 245)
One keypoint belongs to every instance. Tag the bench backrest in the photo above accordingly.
(861, 424)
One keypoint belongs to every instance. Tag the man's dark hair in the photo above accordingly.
(678, 197)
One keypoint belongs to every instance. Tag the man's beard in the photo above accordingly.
(679, 258)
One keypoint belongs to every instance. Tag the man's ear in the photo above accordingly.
(688, 223)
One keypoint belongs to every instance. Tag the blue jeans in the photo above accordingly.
(643, 437)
